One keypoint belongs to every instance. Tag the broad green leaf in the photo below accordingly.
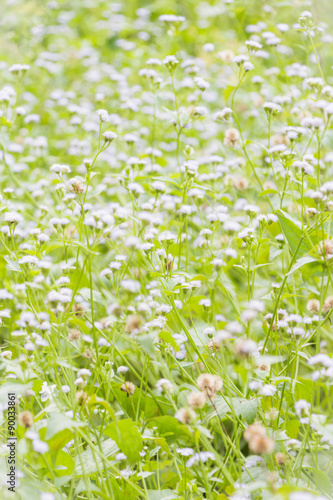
(88, 462)
(95, 192)
(170, 427)
(162, 495)
(292, 427)
(261, 360)
(244, 408)
(125, 433)
(322, 481)
(302, 262)
(57, 422)
(292, 230)
(12, 264)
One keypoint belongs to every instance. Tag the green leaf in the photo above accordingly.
(268, 191)
(228, 91)
(162, 495)
(168, 338)
(64, 464)
(89, 462)
(245, 408)
(12, 264)
(125, 433)
(57, 422)
(267, 359)
(293, 233)
(302, 262)
(85, 294)
(170, 427)
(95, 192)
(322, 481)
(292, 427)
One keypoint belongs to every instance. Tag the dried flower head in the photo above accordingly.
(258, 441)
(25, 419)
(129, 388)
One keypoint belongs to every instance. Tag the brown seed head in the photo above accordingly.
(313, 306)
(196, 399)
(129, 388)
(133, 324)
(25, 419)
(74, 334)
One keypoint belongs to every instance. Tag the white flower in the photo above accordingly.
(130, 285)
(302, 407)
(271, 107)
(185, 452)
(40, 446)
(205, 302)
(164, 385)
(127, 473)
(46, 392)
(248, 66)
(60, 169)
(13, 217)
(202, 456)
(47, 496)
(170, 59)
(109, 136)
(103, 115)
(171, 18)
(122, 369)
(159, 186)
(28, 259)
(267, 390)
(201, 83)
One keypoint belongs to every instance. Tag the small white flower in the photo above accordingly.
(40, 446)
(109, 136)
(13, 217)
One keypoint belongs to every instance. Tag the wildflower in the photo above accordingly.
(60, 169)
(259, 442)
(302, 407)
(245, 347)
(13, 217)
(202, 456)
(25, 419)
(109, 136)
(103, 115)
(126, 473)
(224, 114)
(171, 63)
(74, 334)
(81, 397)
(185, 452)
(133, 324)
(171, 18)
(201, 83)
(209, 384)
(196, 400)
(129, 388)
(231, 137)
(40, 446)
(328, 304)
(267, 390)
(185, 415)
(46, 392)
(164, 385)
(122, 369)
(205, 303)
(272, 109)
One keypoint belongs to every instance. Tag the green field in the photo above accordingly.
(166, 250)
